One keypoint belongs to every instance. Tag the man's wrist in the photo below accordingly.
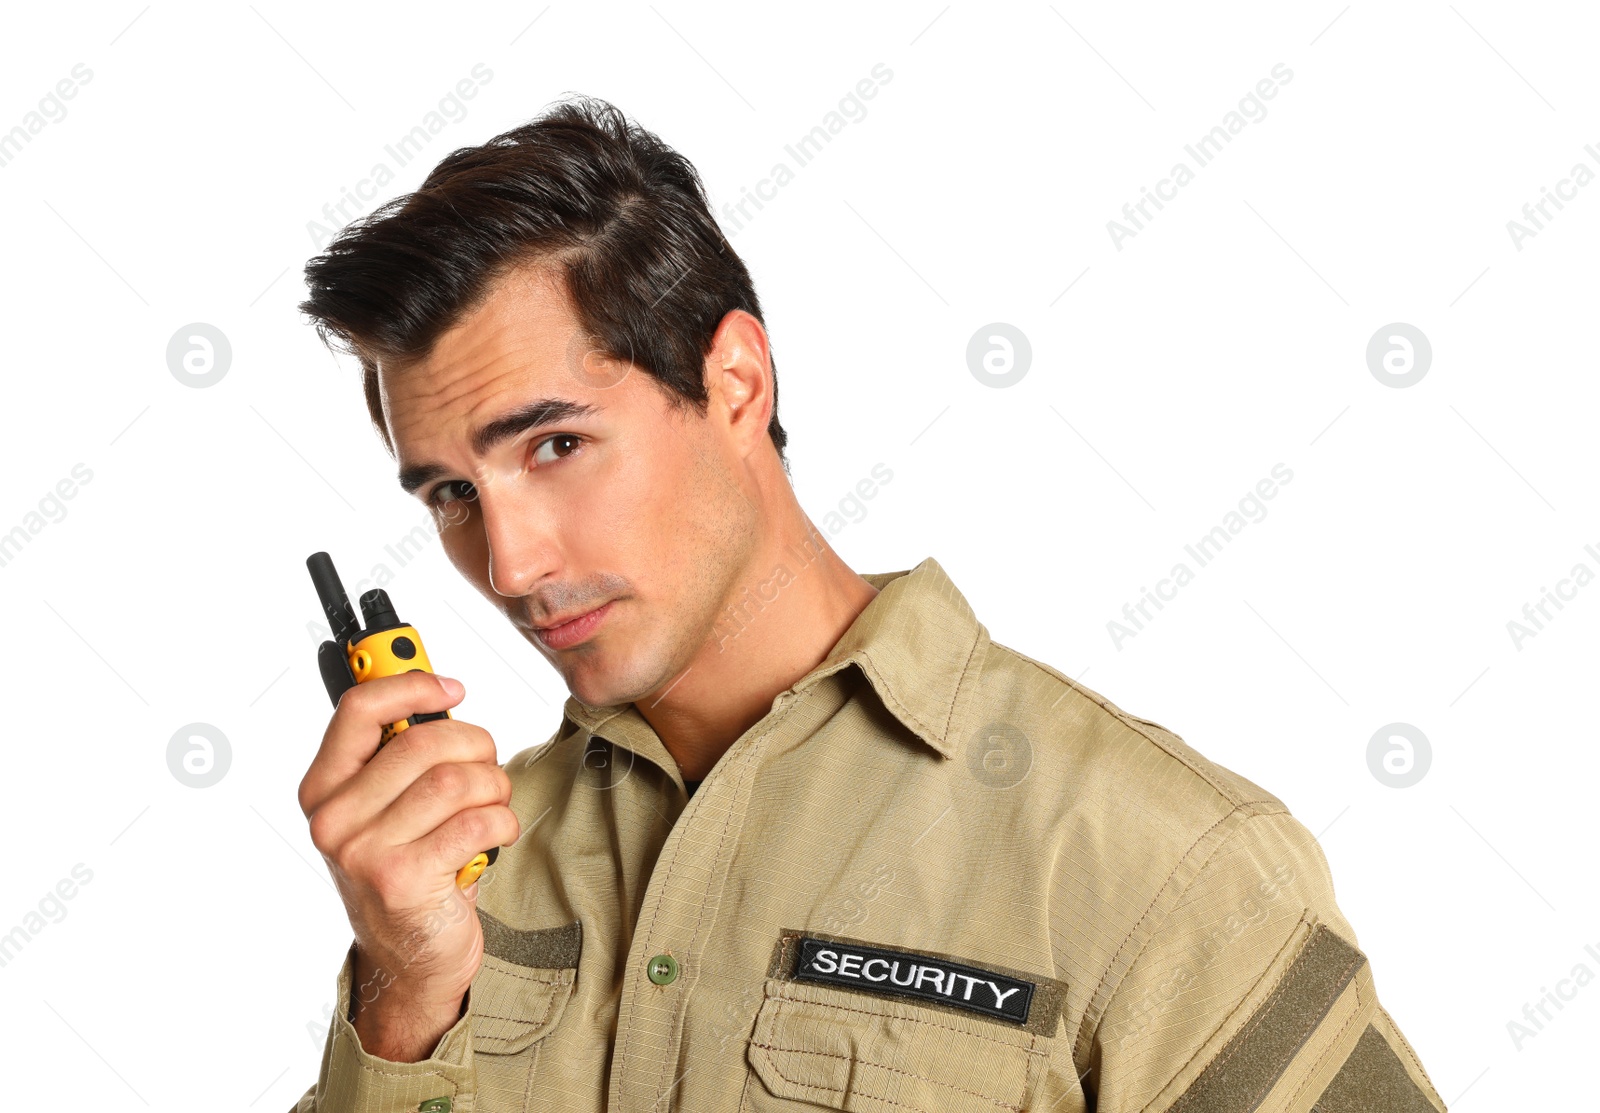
(396, 1021)
(401, 1030)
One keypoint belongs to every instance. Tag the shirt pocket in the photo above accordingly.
(522, 987)
(839, 1049)
(513, 1006)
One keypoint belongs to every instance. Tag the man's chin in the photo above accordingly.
(593, 681)
(604, 680)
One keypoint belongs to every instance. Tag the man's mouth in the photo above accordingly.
(572, 629)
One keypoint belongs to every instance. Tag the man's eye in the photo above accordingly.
(542, 457)
(453, 490)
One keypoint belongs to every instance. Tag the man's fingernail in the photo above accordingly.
(452, 688)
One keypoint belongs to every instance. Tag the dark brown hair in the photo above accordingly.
(622, 215)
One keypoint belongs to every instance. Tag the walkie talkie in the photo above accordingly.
(385, 648)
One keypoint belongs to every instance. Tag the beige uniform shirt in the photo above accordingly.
(937, 876)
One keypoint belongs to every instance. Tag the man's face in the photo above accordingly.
(620, 503)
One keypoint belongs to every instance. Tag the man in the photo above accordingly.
(804, 838)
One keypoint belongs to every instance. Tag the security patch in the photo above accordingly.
(910, 974)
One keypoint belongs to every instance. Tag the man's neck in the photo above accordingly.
(795, 603)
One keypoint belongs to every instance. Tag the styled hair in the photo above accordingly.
(621, 215)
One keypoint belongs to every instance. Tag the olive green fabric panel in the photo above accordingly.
(1258, 1054)
(1373, 1078)
(542, 948)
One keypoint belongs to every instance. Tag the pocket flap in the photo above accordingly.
(848, 1051)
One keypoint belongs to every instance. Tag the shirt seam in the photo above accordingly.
(1138, 726)
(655, 913)
(1031, 1049)
(1257, 1018)
(1359, 1013)
(362, 1055)
(1090, 1026)
(999, 1103)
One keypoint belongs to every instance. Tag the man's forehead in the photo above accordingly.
(498, 372)
(524, 316)
(513, 344)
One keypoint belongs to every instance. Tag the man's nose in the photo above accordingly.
(520, 553)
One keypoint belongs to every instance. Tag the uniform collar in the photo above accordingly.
(916, 642)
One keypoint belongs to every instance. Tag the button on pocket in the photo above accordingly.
(853, 1051)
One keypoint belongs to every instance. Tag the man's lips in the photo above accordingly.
(573, 629)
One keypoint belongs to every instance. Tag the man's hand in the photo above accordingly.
(394, 826)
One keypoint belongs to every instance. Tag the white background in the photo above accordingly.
(1227, 336)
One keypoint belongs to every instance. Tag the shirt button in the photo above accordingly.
(663, 969)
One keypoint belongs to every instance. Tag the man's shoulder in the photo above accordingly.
(1079, 738)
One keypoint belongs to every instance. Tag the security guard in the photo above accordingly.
(803, 838)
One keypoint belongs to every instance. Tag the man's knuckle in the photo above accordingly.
(447, 781)
(509, 826)
(324, 826)
(386, 877)
(469, 827)
(346, 858)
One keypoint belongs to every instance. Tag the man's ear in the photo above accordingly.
(738, 373)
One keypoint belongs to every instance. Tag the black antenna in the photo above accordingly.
(335, 603)
(332, 661)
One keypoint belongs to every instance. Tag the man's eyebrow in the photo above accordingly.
(544, 411)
